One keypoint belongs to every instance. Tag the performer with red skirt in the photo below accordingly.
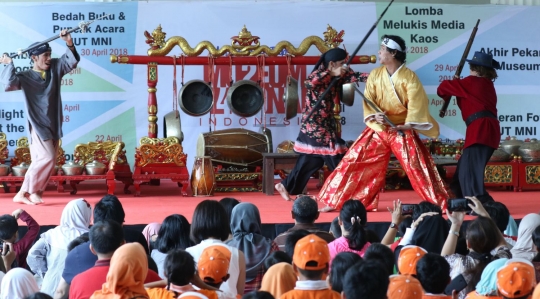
(477, 100)
(398, 92)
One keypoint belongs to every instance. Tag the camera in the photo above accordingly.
(407, 209)
(459, 205)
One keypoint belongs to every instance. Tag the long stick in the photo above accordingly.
(335, 79)
(377, 109)
(459, 68)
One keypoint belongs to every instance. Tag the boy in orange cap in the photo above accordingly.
(310, 262)
(433, 272)
(404, 287)
(213, 265)
(516, 280)
(408, 257)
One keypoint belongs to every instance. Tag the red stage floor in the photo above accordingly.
(157, 202)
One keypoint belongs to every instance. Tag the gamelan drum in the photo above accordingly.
(234, 147)
(203, 181)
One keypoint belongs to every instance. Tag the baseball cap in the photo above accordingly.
(311, 253)
(408, 257)
(516, 279)
(404, 287)
(214, 263)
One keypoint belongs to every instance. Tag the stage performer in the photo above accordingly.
(318, 143)
(398, 92)
(477, 100)
(41, 89)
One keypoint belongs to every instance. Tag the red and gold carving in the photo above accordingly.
(160, 150)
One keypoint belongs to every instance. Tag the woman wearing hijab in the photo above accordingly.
(524, 247)
(46, 258)
(319, 141)
(18, 283)
(279, 279)
(125, 279)
(247, 237)
(150, 233)
(487, 286)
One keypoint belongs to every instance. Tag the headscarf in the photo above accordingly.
(511, 228)
(150, 230)
(127, 273)
(74, 222)
(335, 54)
(488, 283)
(247, 237)
(39, 50)
(18, 283)
(431, 234)
(524, 247)
(279, 279)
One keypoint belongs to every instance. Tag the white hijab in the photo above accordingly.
(74, 222)
(524, 247)
(18, 283)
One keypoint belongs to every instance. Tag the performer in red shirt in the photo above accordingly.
(477, 100)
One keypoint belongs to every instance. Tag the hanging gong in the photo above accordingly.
(347, 93)
(245, 98)
(172, 127)
(196, 98)
(290, 98)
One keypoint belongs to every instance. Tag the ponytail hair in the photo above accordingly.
(353, 215)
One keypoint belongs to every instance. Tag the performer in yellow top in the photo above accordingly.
(398, 92)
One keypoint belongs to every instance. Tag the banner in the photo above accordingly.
(106, 101)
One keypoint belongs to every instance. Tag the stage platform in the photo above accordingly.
(157, 202)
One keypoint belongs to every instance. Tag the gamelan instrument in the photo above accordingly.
(203, 180)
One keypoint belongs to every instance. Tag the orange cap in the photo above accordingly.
(404, 287)
(516, 279)
(311, 248)
(408, 257)
(214, 263)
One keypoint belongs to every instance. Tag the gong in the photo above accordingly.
(245, 98)
(290, 98)
(196, 98)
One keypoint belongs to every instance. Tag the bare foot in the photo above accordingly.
(326, 209)
(282, 191)
(35, 198)
(20, 198)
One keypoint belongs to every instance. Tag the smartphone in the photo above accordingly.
(459, 205)
(458, 284)
(407, 209)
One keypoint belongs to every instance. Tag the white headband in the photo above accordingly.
(389, 43)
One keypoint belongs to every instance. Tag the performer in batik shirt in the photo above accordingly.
(318, 142)
(477, 100)
(41, 89)
(398, 92)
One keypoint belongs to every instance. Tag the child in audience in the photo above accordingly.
(367, 279)
(381, 253)
(341, 263)
(404, 287)
(516, 279)
(486, 288)
(433, 272)
(279, 279)
(14, 252)
(310, 262)
(408, 258)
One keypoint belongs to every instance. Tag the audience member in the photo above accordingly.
(275, 258)
(486, 288)
(150, 233)
(258, 295)
(516, 279)
(524, 247)
(247, 237)
(78, 241)
(213, 265)
(365, 280)
(372, 237)
(381, 253)
(39, 295)
(304, 213)
(311, 262)
(352, 219)
(127, 272)
(15, 250)
(291, 240)
(48, 255)
(433, 272)
(425, 207)
(18, 283)
(428, 231)
(404, 287)
(398, 218)
(499, 213)
(209, 227)
(536, 259)
(279, 279)
(408, 258)
(105, 238)
(341, 263)
(335, 229)
(173, 234)
(228, 204)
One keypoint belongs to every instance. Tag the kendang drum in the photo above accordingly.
(203, 181)
(234, 147)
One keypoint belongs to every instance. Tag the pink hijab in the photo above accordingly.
(150, 230)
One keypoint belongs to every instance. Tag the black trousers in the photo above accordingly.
(469, 177)
(305, 167)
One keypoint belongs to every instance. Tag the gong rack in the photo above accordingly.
(245, 49)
